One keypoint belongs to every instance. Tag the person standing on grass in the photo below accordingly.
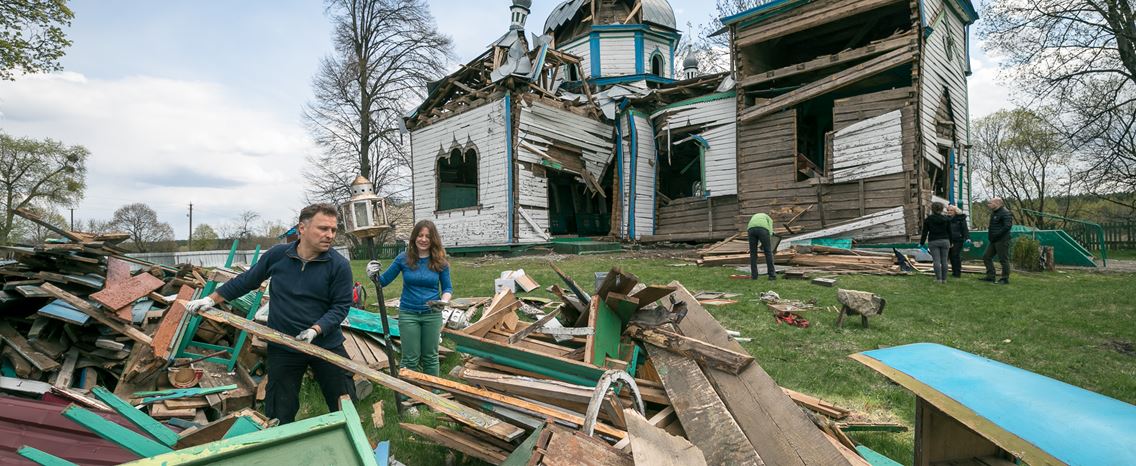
(311, 294)
(1001, 223)
(425, 288)
(937, 227)
(760, 230)
(960, 236)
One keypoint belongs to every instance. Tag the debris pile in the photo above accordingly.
(804, 259)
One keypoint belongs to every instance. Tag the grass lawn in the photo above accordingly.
(1072, 326)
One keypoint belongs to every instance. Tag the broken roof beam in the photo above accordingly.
(830, 83)
(872, 49)
(805, 19)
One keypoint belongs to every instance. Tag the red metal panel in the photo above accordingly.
(38, 424)
(125, 293)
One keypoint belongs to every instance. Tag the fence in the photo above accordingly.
(204, 258)
(382, 251)
(1120, 235)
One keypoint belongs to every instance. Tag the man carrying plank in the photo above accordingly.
(311, 294)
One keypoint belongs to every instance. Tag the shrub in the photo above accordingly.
(1026, 254)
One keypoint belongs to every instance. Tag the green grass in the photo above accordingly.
(1122, 254)
(1062, 325)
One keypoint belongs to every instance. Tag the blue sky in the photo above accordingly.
(200, 101)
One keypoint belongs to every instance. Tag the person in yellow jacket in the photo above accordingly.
(760, 230)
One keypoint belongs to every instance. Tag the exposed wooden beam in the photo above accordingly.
(784, 25)
(634, 11)
(870, 50)
(830, 83)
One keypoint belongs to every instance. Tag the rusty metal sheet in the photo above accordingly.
(117, 297)
(118, 271)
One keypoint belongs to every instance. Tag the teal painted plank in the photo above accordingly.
(121, 436)
(61, 310)
(369, 322)
(42, 458)
(6, 368)
(873, 458)
(524, 452)
(162, 395)
(146, 423)
(605, 342)
(560, 369)
(355, 428)
(243, 425)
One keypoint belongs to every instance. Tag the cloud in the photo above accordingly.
(989, 91)
(166, 142)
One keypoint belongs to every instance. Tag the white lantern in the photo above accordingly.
(365, 214)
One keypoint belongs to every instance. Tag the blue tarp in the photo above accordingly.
(1074, 425)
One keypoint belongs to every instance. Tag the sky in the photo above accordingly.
(200, 102)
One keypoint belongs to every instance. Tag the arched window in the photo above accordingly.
(657, 64)
(457, 179)
(573, 72)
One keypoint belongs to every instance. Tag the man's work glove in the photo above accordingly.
(374, 268)
(307, 335)
(193, 307)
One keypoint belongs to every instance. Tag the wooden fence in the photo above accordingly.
(1120, 235)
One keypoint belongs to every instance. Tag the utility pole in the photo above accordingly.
(189, 242)
(72, 219)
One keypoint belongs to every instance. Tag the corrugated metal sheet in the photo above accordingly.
(39, 424)
(654, 11)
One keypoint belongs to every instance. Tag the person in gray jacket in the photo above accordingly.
(998, 244)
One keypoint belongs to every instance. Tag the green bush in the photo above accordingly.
(1026, 254)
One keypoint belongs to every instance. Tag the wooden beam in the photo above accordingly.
(870, 50)
(830, 83)
(463, 414)
(776, 428)
(533, 327)
(708, 424)
(21, 346)
(172, 324)
(458, 441)
(705, 353)
(634, 11)
(507, 401)
(116, 434)
(148, 425)
(653, 446)
(787, 24)
(83, 306)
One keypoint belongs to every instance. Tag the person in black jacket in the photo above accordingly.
(937, 227)
(1001, 222)
(960, 236)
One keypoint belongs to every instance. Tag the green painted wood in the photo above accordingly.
(605, 341)
(874, 458)
(243, 425)
(320, 440)
(162, 395)
(370, 322)
(561, 369)
(524, 452)
(146, 423)
(42, 458)
(121, 436)
(355, 429)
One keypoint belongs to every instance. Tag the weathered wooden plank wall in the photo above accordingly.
(483, 128)
(689, 215)
(617, 53)
(716, 122)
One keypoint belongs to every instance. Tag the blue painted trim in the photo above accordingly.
(634, 172)
(966, 45)
(951, 176)
(631, 79)
(729, 20)
(654, 184)
(638, 52)
(539, 63)
(634, 27)
(594, 51)
(509, 213)
(701, 140)
(619, 157)
(923, 18)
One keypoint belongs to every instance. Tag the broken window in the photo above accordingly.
(682, 170)
(457, 179)
(573, 72)
(937, 176)
(814, 122)
(657, 64)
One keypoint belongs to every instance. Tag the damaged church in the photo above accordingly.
(838, 117)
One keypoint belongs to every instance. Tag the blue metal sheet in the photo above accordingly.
(1074, 425)
(59, 309)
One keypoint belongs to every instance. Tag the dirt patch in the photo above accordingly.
(1122, 347)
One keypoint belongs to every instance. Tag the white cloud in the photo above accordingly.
(989, 92)
(166, 142)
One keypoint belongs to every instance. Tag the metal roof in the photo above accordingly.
(657, 12)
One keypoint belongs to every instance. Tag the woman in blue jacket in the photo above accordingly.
(425, 278)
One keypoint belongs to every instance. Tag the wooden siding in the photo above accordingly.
(645, 184)
(484, 128)
(582, 50)
(617, 53)
(650, 45)
(939, 72)
(869, 148)
(716, 122)
(689, 215)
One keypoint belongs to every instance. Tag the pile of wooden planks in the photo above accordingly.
(734, 251)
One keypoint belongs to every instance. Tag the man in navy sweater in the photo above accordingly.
(311, 294)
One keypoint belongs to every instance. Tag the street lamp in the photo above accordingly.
(365, 213)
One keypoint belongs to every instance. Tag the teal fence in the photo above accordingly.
(1118, 235)
(383, 251)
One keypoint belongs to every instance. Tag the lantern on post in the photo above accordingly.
(365, 213)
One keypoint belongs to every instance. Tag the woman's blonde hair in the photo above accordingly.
(438, 261)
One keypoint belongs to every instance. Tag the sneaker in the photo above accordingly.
(1004, 281)
(986, 279)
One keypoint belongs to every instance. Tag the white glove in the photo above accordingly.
(196, 305)
(374, 268)
(307, 335)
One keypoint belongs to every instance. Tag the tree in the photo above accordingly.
(1075, 60)
(36, 173)
(204, 238)
(141, 222)
(1018, 156)
(31, 35)
(386, 51)
(713, 51)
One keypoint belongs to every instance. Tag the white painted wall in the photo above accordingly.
(870, 148)
(715, 121)
(939, 71)
(617, 53)
(650, 45)
(582, 49)
(484, 127)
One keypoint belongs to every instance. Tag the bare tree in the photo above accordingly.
(713, 51)
(36, 173)
(386, 51)
(141, 223)
(243, 227)
(1076, 62)
(1017, 155)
